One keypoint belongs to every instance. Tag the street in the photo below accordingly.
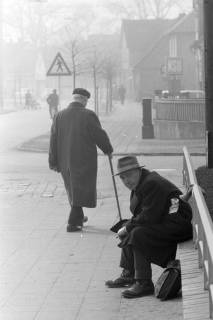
(46, 273)
(145, 68)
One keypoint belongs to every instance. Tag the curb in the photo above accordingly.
(118, 154)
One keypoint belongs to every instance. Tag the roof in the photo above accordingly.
(140, 35)
(184, 24)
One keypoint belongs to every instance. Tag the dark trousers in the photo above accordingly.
(76, 216)
(76, 213)
(133, 260)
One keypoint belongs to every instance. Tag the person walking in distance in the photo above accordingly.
(53, 101)
(122, 93)
(28, 100)
(76, 133)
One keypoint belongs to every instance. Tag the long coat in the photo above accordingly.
(75, 134)
(154, 229)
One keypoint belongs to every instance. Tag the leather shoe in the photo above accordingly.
(125, 279)
(71, 228)
(139, 289)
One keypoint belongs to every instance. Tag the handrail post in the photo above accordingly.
(202, 227)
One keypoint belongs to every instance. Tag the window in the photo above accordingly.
(173, 47)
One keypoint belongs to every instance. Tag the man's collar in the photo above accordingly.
(75, 104)
(144, 174)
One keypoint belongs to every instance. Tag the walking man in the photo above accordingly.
(28, 99)
(161, 218)
(53, 101)
(122, 93)
(75, 135)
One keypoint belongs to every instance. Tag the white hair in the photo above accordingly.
(80, 98)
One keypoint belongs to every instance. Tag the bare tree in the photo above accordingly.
(95, 65)
(31, 22)
(75, 44)
(101, 62)
(142, 9)
(109, 71)
(73, 50)
(36, 22)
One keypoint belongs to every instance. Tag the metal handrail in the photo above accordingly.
(180, 109)
(202, 227)
(189, 177)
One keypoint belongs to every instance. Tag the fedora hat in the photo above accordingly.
(126, 164)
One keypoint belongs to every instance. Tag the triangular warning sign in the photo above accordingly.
(58, 67)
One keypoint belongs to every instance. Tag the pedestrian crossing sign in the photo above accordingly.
(59, 67)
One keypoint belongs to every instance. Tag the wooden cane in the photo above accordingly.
(115, 188)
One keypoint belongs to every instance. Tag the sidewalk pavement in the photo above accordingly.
(124, 126)
(49, 274)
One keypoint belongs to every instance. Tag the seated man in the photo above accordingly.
(161, 218)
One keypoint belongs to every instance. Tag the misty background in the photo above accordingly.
(87, 34)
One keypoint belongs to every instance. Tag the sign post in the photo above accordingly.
(59, 68)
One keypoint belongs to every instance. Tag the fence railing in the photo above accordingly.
(202, 227)
(180, 109)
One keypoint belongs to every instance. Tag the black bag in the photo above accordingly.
(168, 284)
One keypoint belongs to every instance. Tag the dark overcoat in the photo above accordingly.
(75, 134)
(152, 228)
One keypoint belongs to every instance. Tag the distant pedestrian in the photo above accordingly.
(122, 93)
(53, 101)
(161, 218)
(28, 100)
(75, 135)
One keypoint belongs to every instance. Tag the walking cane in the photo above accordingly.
(119, 224)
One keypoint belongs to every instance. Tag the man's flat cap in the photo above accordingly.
(82, 92)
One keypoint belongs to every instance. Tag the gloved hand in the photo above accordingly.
(122, 232)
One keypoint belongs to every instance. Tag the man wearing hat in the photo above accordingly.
(75, 134)
(160, 219)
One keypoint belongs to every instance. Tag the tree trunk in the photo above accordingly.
(110, 94)
(74, 71)
(73, 77)
(107, 96)
(95, 93)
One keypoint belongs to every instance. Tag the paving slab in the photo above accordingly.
(50, 274)
(46, 273)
